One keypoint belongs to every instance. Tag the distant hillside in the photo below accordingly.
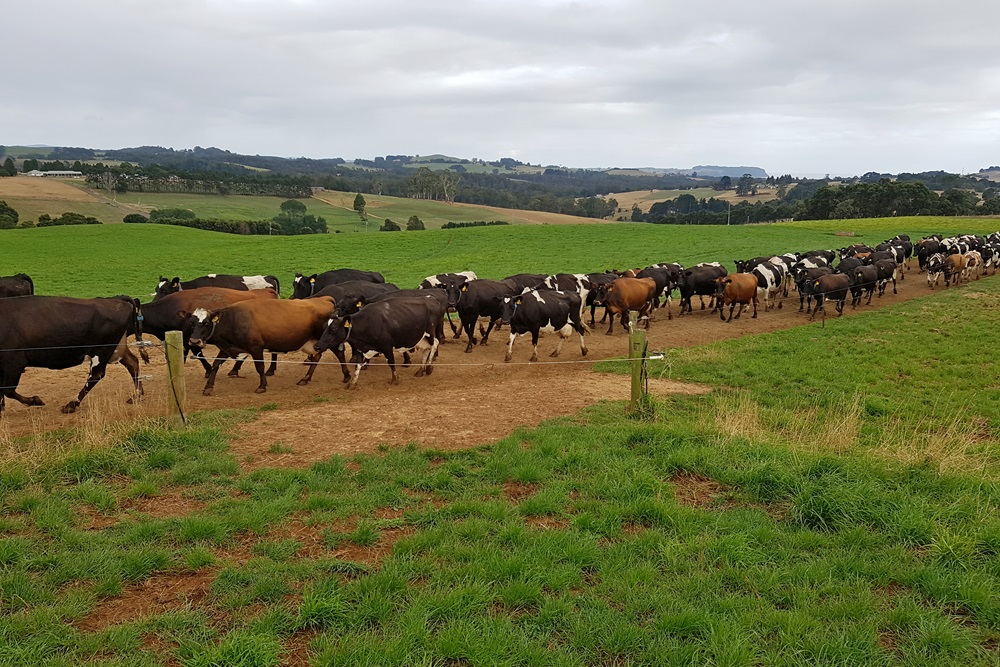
(713, 171)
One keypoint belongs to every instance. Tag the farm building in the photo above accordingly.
(58, 174)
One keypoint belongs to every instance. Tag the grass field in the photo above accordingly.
(102, 260)
(834, 501)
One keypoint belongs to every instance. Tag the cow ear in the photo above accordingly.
(176, 282)
(465, 288)
(183, 314)
(347, 323)
(611, 287)
(518, 300)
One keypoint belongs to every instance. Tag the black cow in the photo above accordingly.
(16, 285)
(594, 280)
(351, 294)
(662, 278)
(543, 310)
(699, 280)
(304, 287)
(225, 281)
(526, 280)
(59, 332)
(864, 280)
(385, 327)
(804, 283)
(832, 287)
(887, 270)
(480, 298)
(848, 264)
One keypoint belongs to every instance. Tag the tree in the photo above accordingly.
(360, 206)
(724, 183)
(745, 186)
(8, 214)
(8, 168)
(414, 224)
(135, 217)
(293, 208)
(29, 165)
(389, 226)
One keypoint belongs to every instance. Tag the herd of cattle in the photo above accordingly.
(341, 308)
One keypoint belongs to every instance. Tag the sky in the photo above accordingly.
(792, 86)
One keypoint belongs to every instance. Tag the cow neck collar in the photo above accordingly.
(312, 288)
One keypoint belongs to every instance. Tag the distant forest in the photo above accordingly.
(510, 183)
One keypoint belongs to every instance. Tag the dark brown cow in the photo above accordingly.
(626, 294)
(737, 290)
(59, 332)
(263, 324)
(17, 285)
(831, 287)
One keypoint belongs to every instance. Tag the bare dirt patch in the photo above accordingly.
(518, 491)
(694, 490)
(29, 187)
(171, 503)
(154, 596)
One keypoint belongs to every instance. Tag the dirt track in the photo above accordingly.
(470, 399)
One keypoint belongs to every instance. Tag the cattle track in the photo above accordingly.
(470, 399)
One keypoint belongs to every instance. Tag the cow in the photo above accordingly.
(973, 264)
(441, 280)
(591, 284)
(887, 270)
(954, 268)
(832, 287)
(662, 278)
(807, 263)
(250, 327)
(479, 298)
(737, 290)
(16, 285)
(569, 282)
(746, 265)
(304, 287)
(855, 250)
(990, 257)
(543, 310)
(770, 282)
(864, 279)
(828, 255)
(901, 252)
(699, 280)
(848, 264)
(386, 327)
(626, 294)
(351, 294)
(59, 332)
(526, 280)
(172, 313)
(935, 269)
(925, 249)
(225, 281)
(804, 282)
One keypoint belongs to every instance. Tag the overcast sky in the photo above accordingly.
(792, 86)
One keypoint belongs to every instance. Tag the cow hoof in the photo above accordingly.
(420, 373)
(394, 381)
(35, 400)
(607, 333)
(260, 390)
(779, 306)
(347, 378)
(303, 382)
(269, 373)
(753, 317)
(206, 392)
(507, 359)
(534, 358)
(583, 352)
(468, 349)
(555, 354)
(70, 407)
(232, 375)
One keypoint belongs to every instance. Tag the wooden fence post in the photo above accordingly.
(176, 390)
(637, 353)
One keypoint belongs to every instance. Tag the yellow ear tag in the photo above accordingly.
(465, 288)
(360, 303)
(312, 280)
(216, 319)
(347, 324)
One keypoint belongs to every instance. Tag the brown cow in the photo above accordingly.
(171, 313)
(626, 294)
(738, 289)
(263, 324)
(954, 268)
(835, 287)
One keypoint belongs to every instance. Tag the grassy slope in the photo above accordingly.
(569, 544)
(90, 261)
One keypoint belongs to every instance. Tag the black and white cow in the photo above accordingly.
(407, 324)
(480, 298)
(887, 270)
(16, 285)
(925, 248)
(441, 280)
(864, 280)
(935, 269)
(59, 332)
(543, 310)
(770, 282)
(828, 255)
(225, 281)
(304, 287)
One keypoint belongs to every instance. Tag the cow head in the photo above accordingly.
(350, 305)
(303, 287)
(202, 324)
(720, 285)
(455, 292)
(337, 331)
(601, 293)
(509, 307)
(165, 287)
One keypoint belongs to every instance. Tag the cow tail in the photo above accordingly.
(137, 318)
(277, 286)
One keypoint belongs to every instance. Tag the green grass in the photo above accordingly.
(127, 259)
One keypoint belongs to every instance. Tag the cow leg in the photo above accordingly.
(534, 346)
(754, 299)
(235, 372)
(666, 304)
(97, 371)
(258, 363)
(486, 335)
(210, 382)
(390, 357)
(406, 358)
(274, 364)
(722, 313)
(131, 364)
(312, 361)
(10, 376)
(455, 331)
(199, 354)
(432, 349)
(510, 346)
(470, 333)
(339, 353)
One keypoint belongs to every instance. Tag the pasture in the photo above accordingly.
(833, 500)
(644, 199)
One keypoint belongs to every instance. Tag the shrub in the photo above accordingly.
(135, 217)
(389, 226)
(414, 224)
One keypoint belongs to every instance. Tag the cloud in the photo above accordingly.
(793, 87)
